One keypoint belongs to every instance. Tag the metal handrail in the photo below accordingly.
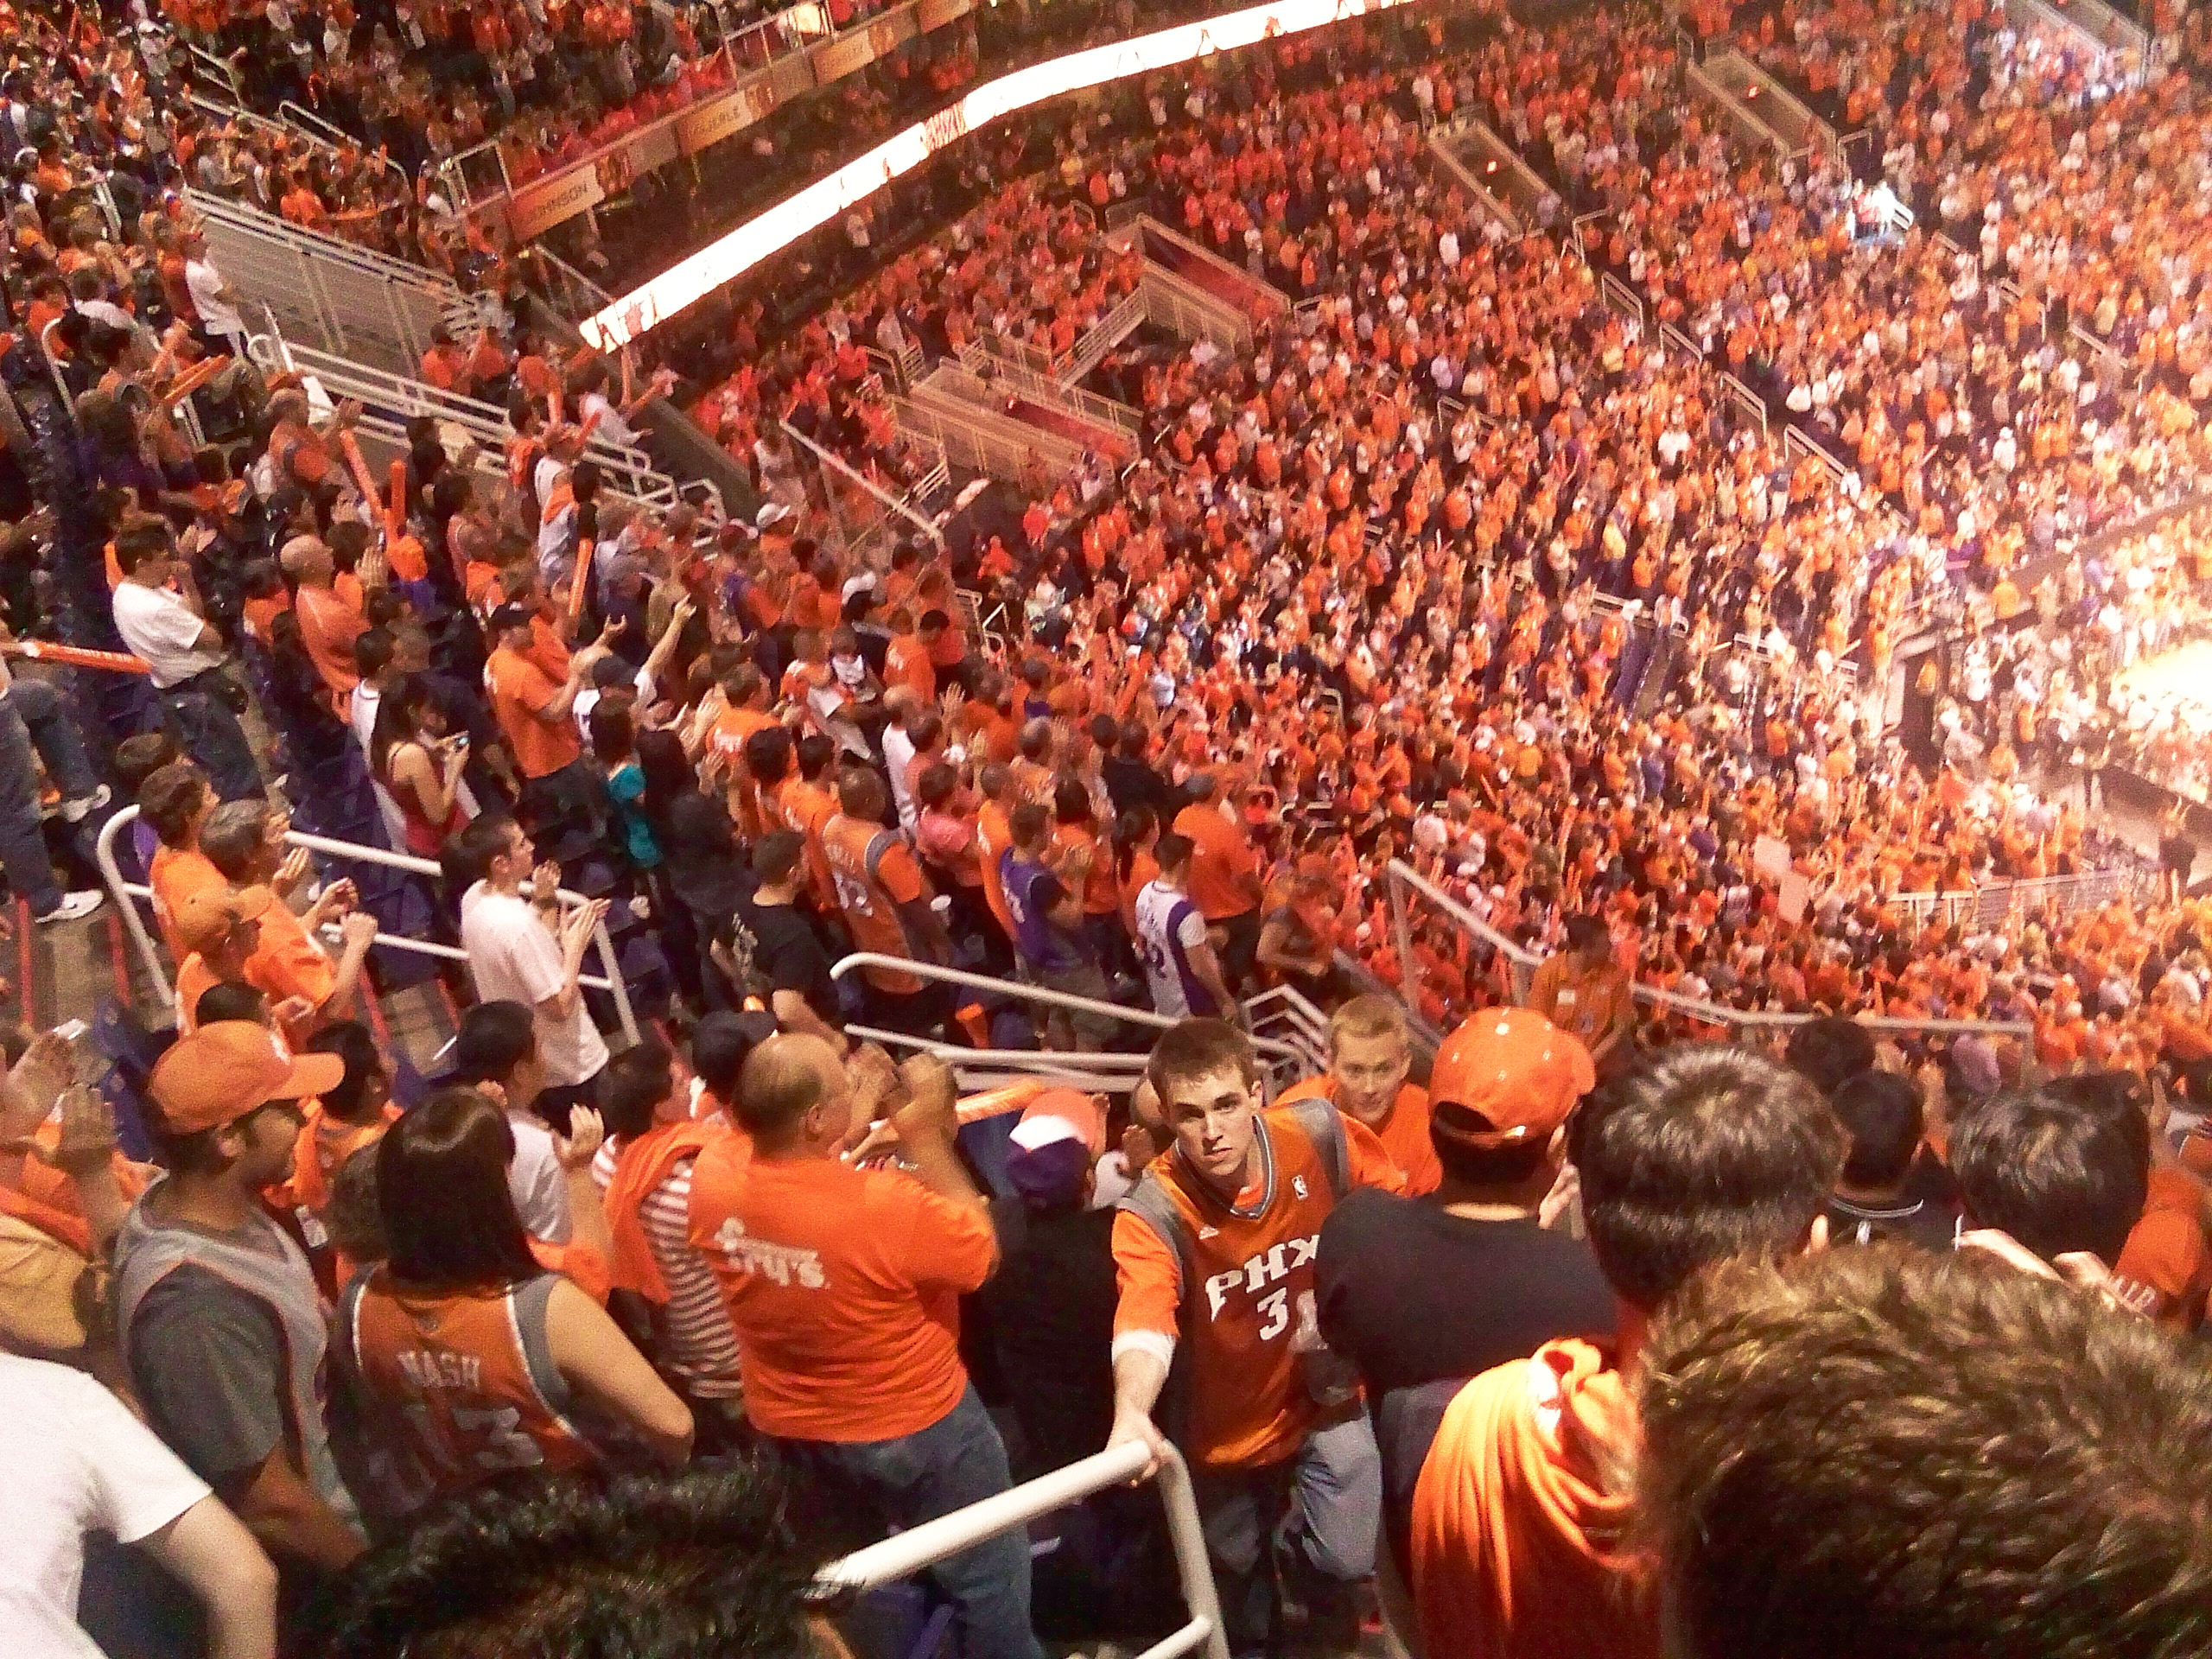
(486, 421)
(244, 217)
(890, 503)
(908, 1552)
(1274, 1047)
(123, 891)
(982, 356)
(1402, 876)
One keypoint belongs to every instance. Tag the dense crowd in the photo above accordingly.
(1601, 1268)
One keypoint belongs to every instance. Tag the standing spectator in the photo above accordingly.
(1370, 1059)
(1047, 1313)
(221, 1325)
(244, 840)
(1224, 876)
(1214, 1251)
(1879, 1451)
(1887, 1189)
(533, 709)
(652, 1145)
(2060, 1176)
(886, 905)
(528, 952)
(1180, 965)
(1048, 931)
(78, 1462)
(167, 628)
(498, 1047)
(1520, 1542)
(469, 1357)
(215, 300)
(33, 725)
(1423, 1297)
(1584, 990)
(841, 1284)
(780, 946)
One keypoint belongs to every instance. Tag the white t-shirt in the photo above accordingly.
(205, 284)
(898, 750)
(77, 1462)
(535, 1179)
(517, 959)
(155, 625)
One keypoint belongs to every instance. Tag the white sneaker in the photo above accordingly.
(76, 812)
(75, 906)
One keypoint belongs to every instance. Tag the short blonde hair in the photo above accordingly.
(1371, 1015)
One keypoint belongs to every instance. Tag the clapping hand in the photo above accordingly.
(586, 1131)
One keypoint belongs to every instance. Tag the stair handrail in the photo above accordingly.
(123, 893)
(1274, 1047)
(1402, 877)
(906, 1553)
(846, 471)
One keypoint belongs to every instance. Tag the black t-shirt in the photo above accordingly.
(1133, 783)
(1047, 1320)
(1419, 1301)
(785, 951)
(1925, 1212)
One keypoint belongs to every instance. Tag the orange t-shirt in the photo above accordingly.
(2165, 1254)
(289, 963)
(1404, 1133)
(843, 1286)
(907, 662)
(1584, 1004)
(328, 628)
(1517, 1536)
(1219, 856)
(520, 688)
(177, 873)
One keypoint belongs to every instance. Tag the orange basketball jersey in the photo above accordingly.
(466, 1381)
(1247, 1286)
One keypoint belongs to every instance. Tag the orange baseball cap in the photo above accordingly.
(206, 915)
(223, 1071)
(1504, 1076)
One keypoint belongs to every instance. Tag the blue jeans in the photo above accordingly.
(22, 842)
(956, 1461)
(206, 730)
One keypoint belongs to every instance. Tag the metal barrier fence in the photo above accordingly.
(629, 472)
(1995, 900)
(982, 359)
(908, 1552)
(1748, 402)
(334, 295)
(1795, 127)
(903, 506)
(1103, 336)
(160, 977)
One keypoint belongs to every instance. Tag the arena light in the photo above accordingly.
(692, 279)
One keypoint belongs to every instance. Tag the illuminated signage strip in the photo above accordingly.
(692, 279)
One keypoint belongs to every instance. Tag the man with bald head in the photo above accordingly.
(330, 610)
(842, 1285)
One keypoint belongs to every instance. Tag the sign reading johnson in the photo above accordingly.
(538, 207)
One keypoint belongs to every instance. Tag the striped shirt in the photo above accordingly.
(701, 1349)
